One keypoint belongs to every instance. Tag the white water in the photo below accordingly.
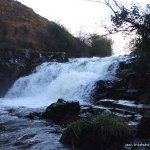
(73, 80)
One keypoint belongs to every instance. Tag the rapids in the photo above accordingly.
(73, 80)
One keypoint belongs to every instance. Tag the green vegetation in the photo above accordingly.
(101, 132)
(66, 42)
(134, 21)
(131, 21)
(96, 46)
(100, 46)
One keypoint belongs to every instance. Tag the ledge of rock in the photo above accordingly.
(122, 104)
(15, 63)
(62, 110)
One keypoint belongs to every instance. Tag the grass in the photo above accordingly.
(101, 132)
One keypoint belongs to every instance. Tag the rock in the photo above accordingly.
(145, 98)
(54, 56)
(123, 65)
(130, 85)
(102, 90)
(130, 94)
(34, 115)
(91, 109)
(123, 104)
(15, 63)
(116, 89)
(144, 128)
(8, 74)
(88, 111)
(62, 110)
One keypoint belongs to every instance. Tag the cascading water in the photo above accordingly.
(73, 80)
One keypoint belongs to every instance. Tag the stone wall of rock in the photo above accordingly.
(17, 63)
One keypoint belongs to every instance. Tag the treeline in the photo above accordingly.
(87, 46)
(22, 28)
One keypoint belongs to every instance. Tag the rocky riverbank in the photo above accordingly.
(121, 123)
(131, 83)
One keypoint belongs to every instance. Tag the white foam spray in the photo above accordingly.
(73, 80)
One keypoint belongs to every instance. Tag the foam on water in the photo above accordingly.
(73, 80)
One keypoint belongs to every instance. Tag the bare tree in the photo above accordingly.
(131, 20)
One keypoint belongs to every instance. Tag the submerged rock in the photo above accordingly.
(62, 110)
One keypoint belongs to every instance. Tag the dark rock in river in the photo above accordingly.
(102, 90)
(62, 110)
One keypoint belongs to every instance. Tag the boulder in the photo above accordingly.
(62, 110)
(102, 90)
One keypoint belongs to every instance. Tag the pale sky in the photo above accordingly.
(80, 15)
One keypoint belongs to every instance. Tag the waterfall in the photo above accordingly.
(73, 80)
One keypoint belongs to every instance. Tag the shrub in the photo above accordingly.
(101, 46)
(66, 42)
(104, 131)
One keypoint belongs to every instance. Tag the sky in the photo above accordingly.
(81, 16)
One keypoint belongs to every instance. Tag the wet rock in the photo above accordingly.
(144, 128)
(131, 94)
(91, 109)
(88, 111)
(8, 74)
(102, 90)
(15, 63)
(116, 89)
(123, 104)
(62, 110)
(125, 94)
(134, 78)
(54, 56)
(129, 84)
(34, 115)
(122, 111)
